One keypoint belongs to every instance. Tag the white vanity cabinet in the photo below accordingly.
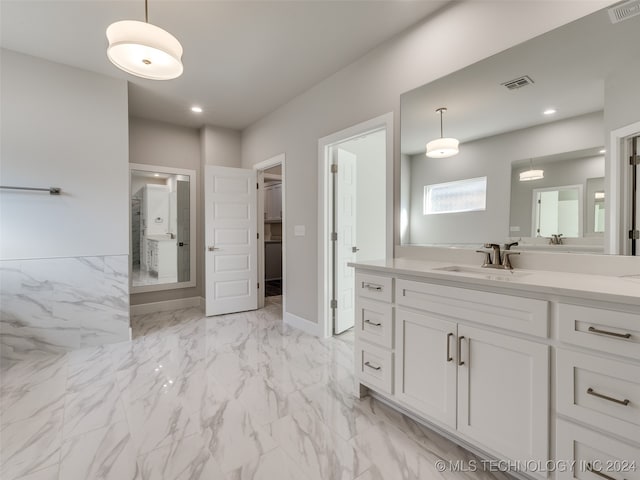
(490, 387)
(522, 374)
(598, 393)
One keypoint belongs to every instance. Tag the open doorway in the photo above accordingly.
(355, 213)
(271, 228)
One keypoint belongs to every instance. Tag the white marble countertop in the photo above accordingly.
(159, 238)
(625, 289)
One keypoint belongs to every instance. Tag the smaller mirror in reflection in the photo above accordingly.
(566, 199)
(160, 228)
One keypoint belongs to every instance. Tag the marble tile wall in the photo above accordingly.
(54, 305)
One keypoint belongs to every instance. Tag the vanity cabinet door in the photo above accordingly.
(503, 393)
(426, 365)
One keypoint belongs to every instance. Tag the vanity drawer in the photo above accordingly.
(374, 286)
(374, 322)
(518, 314)
(614, 460)
(374, 366)
(606, 330)
(601, 392)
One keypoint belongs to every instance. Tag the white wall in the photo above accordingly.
(451, 39)
(491, 157)
(220, 146)
(67, 128)
(64, 278)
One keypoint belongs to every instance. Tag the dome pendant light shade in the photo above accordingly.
(144, 50)
(442, 147)
(531, 174)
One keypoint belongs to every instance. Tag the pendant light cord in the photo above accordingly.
(146, 11)
(441, 134)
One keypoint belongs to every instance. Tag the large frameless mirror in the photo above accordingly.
(163, 228)
(534, 122)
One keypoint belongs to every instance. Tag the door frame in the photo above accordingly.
(279, 159)
(385, 122)
(618, 188)
(535, 207)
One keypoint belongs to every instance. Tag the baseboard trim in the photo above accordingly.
(166, 305)
(303, 324)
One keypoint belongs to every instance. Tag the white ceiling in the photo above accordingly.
(568, 65)
(242, 59)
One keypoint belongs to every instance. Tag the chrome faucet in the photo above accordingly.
(499, 260)
(555, 239)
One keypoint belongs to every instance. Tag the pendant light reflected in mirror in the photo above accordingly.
(531, 174)
(442, 147)
(144, 50)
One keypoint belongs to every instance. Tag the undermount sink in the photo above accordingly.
(493, 273)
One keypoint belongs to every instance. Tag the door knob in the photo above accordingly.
(354, 249)
(211, 248)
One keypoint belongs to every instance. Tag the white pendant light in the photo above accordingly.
(531, 174)
(144, 50)
(442, 147)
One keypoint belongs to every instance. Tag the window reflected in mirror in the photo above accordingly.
(160, 228)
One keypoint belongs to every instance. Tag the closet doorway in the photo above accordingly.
(271, 228)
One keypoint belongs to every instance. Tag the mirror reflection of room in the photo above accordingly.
(547, 104)
(159, 228)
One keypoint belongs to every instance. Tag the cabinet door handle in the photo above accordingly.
(372, 323)
(370, 286)
(449, 357)
(591, 391)
(211, 248)
(598, 472)
(460, 361)
(613, 334)
(374, 367)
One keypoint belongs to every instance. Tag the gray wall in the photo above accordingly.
(64, 280)
(372, 86)
(556, 174)
(164, 144)
(491, 157)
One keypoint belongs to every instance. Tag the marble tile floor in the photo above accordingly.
(233, 397)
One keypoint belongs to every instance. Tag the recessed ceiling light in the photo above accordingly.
(156, 174)
(603, 151)
(549, 111)
(196, 109)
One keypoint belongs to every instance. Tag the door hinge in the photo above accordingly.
(257, 186)
(334, 168)
(334, 236)
(258, 236)
(634, 234)
(334, 304)
(634, 160)
(258, 285)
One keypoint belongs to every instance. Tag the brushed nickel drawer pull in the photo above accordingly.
(371, 286)
(591, 391)
(598, 472)
(449, 357)
(372, 366)
(613, 334)
(372, 323)
(460, 361)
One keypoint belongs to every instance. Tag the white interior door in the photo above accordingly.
(345, 221)
(231, 240)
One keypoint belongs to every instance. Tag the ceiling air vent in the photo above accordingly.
(624, 10)
(518, 82)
